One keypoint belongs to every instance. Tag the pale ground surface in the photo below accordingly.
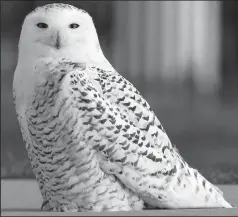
(22, 198)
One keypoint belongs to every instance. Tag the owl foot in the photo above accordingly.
(71, 207)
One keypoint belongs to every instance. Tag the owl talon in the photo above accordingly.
(72, 207)
(45, 206)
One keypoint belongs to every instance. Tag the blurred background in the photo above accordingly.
(181, 55)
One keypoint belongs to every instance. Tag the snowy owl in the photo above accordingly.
(93, 141)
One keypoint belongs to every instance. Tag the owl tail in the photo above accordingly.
(189, 189)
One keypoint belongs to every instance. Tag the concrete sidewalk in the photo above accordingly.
(23, 198)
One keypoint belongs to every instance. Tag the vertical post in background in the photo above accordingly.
(152, 39)
(229, 53)
(184, 40)
(120, 31)
(134, 30)
(129, 41)
(169, 34)
(206, 46)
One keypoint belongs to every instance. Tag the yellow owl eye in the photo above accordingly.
(42, 25)
(73, 26)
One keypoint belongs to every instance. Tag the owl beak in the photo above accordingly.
(58, 41)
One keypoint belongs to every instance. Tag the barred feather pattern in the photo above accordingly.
(104, 150)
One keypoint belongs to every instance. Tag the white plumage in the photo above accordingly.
(93, 141)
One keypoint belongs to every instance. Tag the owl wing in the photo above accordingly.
(140, 154)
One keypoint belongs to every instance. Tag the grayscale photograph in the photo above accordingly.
(124, 108)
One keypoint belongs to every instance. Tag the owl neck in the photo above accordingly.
(90, 54)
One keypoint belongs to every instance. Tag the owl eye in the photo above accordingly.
(42, 25)
(73, 26)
